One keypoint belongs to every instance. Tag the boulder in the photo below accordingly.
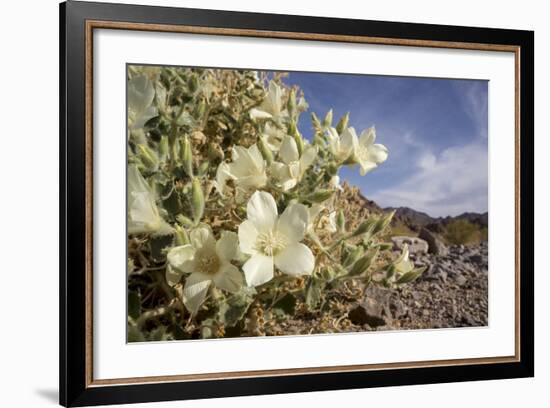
(435, 245)
(417, 246)
(370, 312)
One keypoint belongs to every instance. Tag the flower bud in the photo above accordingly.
(299, 142)
(193, 83)
(186, 156)
(315, 120)
(362, 265)
(292, 129)
(342, 123)
(197, 200)
(364, 227)
(328, 119)
(353, 253)
(291, 105)
(382, 222)
(200, 109)
(164, 148)
(265, 151)
(341, 221)
(181, 236)
(203, 168)
(148, 156)
(320, 195)
(183, 220)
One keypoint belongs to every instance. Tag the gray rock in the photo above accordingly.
(370, 312)
(476, 258)
(435, 246)
(460, 280)
(417, 246)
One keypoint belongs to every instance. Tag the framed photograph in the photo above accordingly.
(256, 204)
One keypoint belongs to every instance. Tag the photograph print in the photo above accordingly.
(268, 203)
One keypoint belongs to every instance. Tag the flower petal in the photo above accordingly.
(348, 143)
(308, 157)
(259, 114)
(229, 278)
(378, 153)
(256, 156)
(195, 290)
(247, 237)
(258, 269)
(227, 245)
(293, 222)
(368, 136)
(289, 150)
(296, 259)
(367, 166)
(222, 175)
(202, 237)
(262, 211)
(173, 275)
(182, 257)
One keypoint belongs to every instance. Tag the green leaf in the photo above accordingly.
(287, 304)
(159, 334)
(172, 203)
(134, 334)
(159, 245)
(314, 290)
(411, 276)
(363, 264)
(234, 309)
(134, 304)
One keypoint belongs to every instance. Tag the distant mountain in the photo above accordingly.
(415, 220)
(411, 217)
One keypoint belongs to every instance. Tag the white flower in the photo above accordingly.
(341, 146)
(143, 213)
(403, 264)
(273, 136)
(331, 222)
(140, 99)
(247, 169)
(335, 183)
(274, 241)
(222, 175)
(327, 221)
(272, 106)
(208, 261)
(367, 154)
(292, 169)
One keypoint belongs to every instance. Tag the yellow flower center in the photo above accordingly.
(270, 243)
(207, 263)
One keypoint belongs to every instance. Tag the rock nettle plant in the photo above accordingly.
(238, 225)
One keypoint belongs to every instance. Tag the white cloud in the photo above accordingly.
(451, 183)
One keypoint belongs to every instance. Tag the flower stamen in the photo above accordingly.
(270, 243)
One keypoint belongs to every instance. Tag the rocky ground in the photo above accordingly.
(453, 292)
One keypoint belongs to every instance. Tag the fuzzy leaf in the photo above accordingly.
(410, 276)
(159, 245)
(135, 335)
(287, 304)
(234, 309)
(314, 290)
(134, 304)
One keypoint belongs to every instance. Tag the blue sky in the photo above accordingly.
(435, 130)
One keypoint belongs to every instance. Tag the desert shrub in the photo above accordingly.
(460, 232)
(236, 222)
